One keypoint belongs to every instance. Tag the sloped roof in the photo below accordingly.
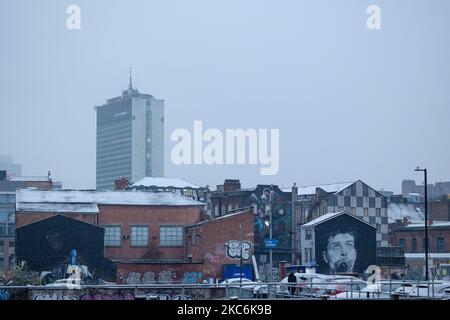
(164, 182)
(329, 216)
(330, 188)
(105, 197)
(398, 211)
(57, 207)
(31, 179)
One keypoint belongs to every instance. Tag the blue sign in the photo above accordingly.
(271, 243)
(234, 271)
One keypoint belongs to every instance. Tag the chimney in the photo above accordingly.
(121, 184)
(405, 221)
(231, 185)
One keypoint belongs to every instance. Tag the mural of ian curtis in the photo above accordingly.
(340, 252)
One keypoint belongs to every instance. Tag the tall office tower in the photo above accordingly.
(130, 138)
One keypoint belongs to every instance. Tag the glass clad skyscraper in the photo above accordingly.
(130, 138)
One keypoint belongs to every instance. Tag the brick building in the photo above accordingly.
(267, 200)
(439, 209)
(208, 246)
(411, 236)
(148, 235)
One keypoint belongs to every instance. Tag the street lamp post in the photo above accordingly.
(426, 220)
(270, 231)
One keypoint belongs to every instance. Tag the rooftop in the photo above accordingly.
(330, 188)
(329, 216)
(398, 211)
(31, 179)
(165, 182)
(105, 197)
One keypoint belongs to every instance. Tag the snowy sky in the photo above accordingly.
(350, 103)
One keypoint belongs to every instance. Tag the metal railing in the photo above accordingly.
(327, 290)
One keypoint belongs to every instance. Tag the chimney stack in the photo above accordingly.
(121, 184)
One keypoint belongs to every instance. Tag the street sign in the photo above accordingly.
(271, 243)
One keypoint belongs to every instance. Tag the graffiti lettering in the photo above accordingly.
(234, 249)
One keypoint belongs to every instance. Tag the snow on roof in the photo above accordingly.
(57, 207)
(431, 255)
(330, 188)
(398, 211)
(328, 216)
(220, 218)
(165, 182)
(105, 197)
(434, 224)
(31, 179)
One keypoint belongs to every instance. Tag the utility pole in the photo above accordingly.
(426, 220)
(241, 262)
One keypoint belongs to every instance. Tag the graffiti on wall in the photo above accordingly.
(234, 249)
(148, 277)
(280, 206)
(92, 295)
(344, 245)
(192, 277)
(4, 294)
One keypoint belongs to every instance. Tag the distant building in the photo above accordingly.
(338, 242)
(130, 138)
(437, 190)
(411, 236)
(12, 169)
(177, 185)
(8, 188)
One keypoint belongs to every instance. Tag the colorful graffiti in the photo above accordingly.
(4, 294)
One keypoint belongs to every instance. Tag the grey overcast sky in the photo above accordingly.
(350, 103)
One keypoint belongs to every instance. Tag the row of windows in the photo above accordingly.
(169, 236)
(7, 198)
(440, 244)
(10, 227)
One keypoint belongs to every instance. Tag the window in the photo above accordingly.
(139, 236)
(2, 228)
(424, 244)
(308, 235)
(2, 245)
(401, 242)
(171, 236)
(413, 245)
(188, 192)
(11, 228)
(308, 255)
(440, 245)
(112, 236)
(7, 198)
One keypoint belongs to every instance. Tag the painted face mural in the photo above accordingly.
(340, 253)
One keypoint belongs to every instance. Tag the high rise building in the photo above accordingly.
(130, 138)
(12, 169)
